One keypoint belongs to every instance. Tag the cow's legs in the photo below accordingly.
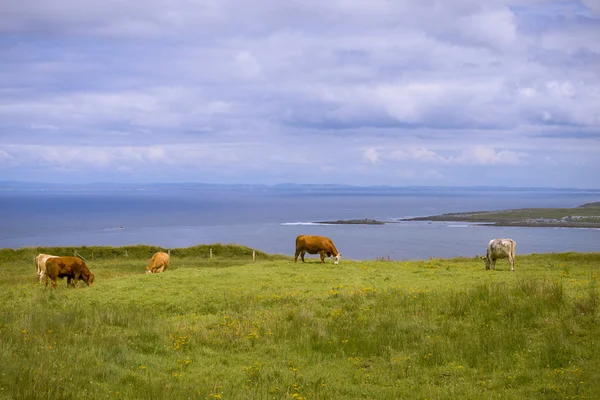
(322, 254)
(296, 256)
(302, 255)
(76, 279)
(511, 260)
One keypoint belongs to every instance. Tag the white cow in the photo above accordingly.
(40, 263)
(500, 248)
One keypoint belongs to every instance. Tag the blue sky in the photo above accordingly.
(423, 92)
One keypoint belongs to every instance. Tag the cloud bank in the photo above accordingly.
(398, 93)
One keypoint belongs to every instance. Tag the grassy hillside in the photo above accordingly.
(233, 328)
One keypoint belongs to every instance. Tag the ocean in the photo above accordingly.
(270, 218)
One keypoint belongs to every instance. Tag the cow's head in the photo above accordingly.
(486, 258)
(149, 269)
(89, 279)
(336, 259)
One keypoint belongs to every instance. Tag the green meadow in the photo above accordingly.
(229, 327)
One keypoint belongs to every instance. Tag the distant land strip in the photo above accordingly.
(584, 216)
(365, 221)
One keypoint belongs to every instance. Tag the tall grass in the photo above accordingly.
(231, 328)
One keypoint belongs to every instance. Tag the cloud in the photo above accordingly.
(43, 127)
(471, 155)
(248, 65)
(418, 154)
(480, 155)
(102, 157)
(327, 85)
(593, 5)
(371, 156)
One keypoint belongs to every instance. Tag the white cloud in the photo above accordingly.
(102, 157)
(481, 155)
(417, 154)
(371, 156)
(494, 27)
(248, 65)
(218, 107)
(472, 155)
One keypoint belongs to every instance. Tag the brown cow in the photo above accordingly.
(316, 245)
(159, 263)
(71, 267)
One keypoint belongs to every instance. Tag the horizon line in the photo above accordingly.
(275, 185)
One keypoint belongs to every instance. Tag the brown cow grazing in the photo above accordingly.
(71, 267)
(500, 248)
(316, 245)
(159, 262)
(40, 263)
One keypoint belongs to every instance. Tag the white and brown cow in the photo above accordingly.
(316, 245)
(500, 248)
(40, 263)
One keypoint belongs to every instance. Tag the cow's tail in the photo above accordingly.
(513, 248)
(36, 262)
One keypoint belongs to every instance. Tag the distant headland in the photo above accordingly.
(584, 216)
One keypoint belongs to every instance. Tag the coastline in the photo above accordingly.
(584, 216)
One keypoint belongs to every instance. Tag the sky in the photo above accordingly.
(377, 92)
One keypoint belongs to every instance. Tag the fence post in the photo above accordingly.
(169, 253)
(389, 258)
(74, 253)
(253, 255)
(211, 252)
(126, 255)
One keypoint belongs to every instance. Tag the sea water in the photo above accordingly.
(269, 219)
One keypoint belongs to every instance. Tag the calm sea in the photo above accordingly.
(270, 220)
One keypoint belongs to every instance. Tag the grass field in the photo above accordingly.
(233, 328)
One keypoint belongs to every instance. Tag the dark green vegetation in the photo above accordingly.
(365, 221)
(231, 328)
(585, 216)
